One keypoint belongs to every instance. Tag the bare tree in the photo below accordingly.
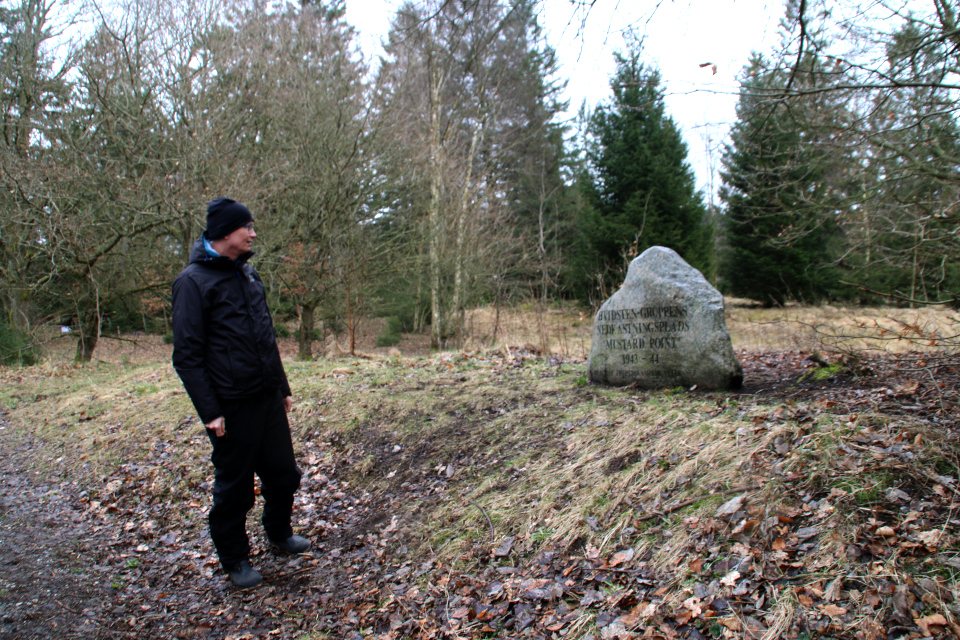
(895, 65)
(308, 132)
(454, 77)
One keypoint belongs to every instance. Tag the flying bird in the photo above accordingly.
(709, 64)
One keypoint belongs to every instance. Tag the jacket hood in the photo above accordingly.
(198, 254)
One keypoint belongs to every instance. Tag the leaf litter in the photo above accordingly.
(491, 494)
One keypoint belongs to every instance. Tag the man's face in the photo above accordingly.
(238, 242)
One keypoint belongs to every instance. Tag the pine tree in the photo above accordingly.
(638, 189)
(778, 184)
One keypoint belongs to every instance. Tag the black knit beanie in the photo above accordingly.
(224, 216)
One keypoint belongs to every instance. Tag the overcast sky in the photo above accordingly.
(678, 36)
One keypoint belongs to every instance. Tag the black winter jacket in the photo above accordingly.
(223, 342)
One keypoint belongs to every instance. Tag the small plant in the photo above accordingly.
(366, 465)
(16, 348)
(944, 467)
(581, 381)
(392, 333)
(145, 389)
(542, 534)
(133, 563)
(168, 337)
(825, 373)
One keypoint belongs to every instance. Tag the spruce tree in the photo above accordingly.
(638, 189)
(778, 185)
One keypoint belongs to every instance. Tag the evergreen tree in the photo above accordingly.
(903, 231)
(778, 185)
(638, 189)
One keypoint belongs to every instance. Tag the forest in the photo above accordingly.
(457, 485)
(442, 177)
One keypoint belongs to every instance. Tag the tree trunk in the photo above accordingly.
(18, 303)
(89, 335)
(351, 325)
(459, 293)
(438, 317)
(305, 346)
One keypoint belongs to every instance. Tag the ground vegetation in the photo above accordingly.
(495, 493)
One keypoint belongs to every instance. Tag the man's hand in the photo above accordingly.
(288, 403)
(217, 426)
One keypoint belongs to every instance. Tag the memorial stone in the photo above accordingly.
(665, 327)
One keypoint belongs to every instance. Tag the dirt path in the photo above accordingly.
(48, 584)
(74, 567)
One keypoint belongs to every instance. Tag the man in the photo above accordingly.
(225, 353)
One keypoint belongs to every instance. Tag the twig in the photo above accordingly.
(100, 624)
(936, 388)
(485, 515)
(900, 296)
(66, 607)
(297, 572)
(687, 503)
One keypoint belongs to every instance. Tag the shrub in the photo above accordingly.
(16, 347)
(392, 333)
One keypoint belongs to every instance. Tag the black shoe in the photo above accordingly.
(245, 576)
(293, 544)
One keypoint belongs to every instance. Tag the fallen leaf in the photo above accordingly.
(935, 620)
(731, 506)
(505, 547)
(684, 617)
(832, 591)
(832, 610)
(930, 538)
(620, 557)
(902, 602)
(731, 623)
(807, 532)
(612, 631)
(693, 605)
(730, 579)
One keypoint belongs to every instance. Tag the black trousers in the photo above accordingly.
(257, 440)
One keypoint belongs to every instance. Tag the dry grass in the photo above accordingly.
(530, 451)
(840, 329)
(566, 330)
(562, 329)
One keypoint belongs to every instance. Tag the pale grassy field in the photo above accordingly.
(565, 330)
